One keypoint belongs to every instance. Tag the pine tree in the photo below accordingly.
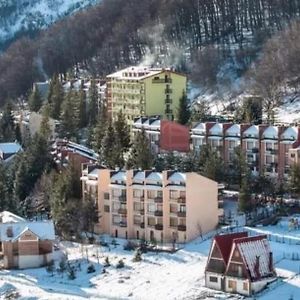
(7, 125)
(82, 109)
(93, 103)
(122, 131)
(45, 130)
(213, 167)
(140, 154)
(55, 97)
(35, 100)
(183, 114)
(112, 150)
(245, 195)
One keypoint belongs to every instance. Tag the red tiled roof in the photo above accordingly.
(225, 242)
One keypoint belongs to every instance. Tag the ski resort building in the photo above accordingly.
(25, 244)
(240, 264)
(163, 206)
(140, 91)
(269, 149)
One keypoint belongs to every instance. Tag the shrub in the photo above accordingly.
(91, 269)
(129, 246)
(120, 264)
(106, 262)
(137, 256)
(50, 267)
(71, 274)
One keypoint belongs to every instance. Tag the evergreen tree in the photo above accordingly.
(35, 100)
(184, 113)
(245, 195)
(294, 180)
(98, 134)
(140, 155)
(239, 166)
(122, 131)
(82, 120)
(55, 97)
(93, 103)
(3, 189)
(213, 167)
(7, 125)
(45, 130)
(111, 149)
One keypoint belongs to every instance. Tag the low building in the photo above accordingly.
(163, 206)
(8, 151)
(240, 264)
(25, 244)
(163, 135)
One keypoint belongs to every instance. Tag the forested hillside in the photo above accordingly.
(23, 17)
(201, 37)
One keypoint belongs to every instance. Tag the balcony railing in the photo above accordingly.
(181, 227)
(123, 224)
(162, 80)
(181, 214)
(158, 199)
(168, 111)
(122, 211)
(181, 200)
(159, 226)
(158, 213)
(168, 101)
(168, 91)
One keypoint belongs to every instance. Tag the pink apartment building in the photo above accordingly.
(269, 149)
(164, 206)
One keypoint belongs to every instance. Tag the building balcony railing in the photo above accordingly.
(159, 226)
(162, 80)
(158, 200)
(168, 101)
(122, 211)
(168, 111)
(168, 91)
(181, 227)
(181, 200)
(181, 214)
(158, 213)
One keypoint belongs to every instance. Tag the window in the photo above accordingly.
(173, 222)
(136, 220)
(173, 208)
(137, 193)
(136, 206)
(231, 144)
(182, 208)
(106, 196)
(151, 207)
(151, 221)
(245, 286)
(151, 194)
(213, 279)
(116, 192)
(231, 284)
(173, 194)
(250, 145)
(106, 208)
(116, 219)
(159, 193)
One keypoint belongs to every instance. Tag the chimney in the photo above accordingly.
(256, 267)
(271, 261)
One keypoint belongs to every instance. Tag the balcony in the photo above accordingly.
(158, 199)
(181, 227)
(159, 226)
(158, 213)
(122, 211)
(181, 214)
(168, 101)
(162, 80)
(254, 150)
(168, 91)
(123, 224)
(122, 198)
(181, 200)
(142, 211)
(142, 225)
(168, 111)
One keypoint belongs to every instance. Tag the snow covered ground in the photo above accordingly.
(161, 276)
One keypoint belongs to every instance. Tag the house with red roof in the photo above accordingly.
(240, 264)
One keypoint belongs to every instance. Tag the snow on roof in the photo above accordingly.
(140, 176)
(216, 129)
(10, 147)
(154, 176)
(200, 127)
(43, 229)
(8, 217)
(155, 124)
(135, 73)
(290, 133)
(119, 176)
(252, 131)
(235, 130)
(271, 132)
(253, 247)
(177, 177)
(225, 241)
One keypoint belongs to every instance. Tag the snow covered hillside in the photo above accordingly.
(21, 16)
(157, 276)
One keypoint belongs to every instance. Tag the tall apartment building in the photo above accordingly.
(165, 206)
(138, 91)
(269, 149)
